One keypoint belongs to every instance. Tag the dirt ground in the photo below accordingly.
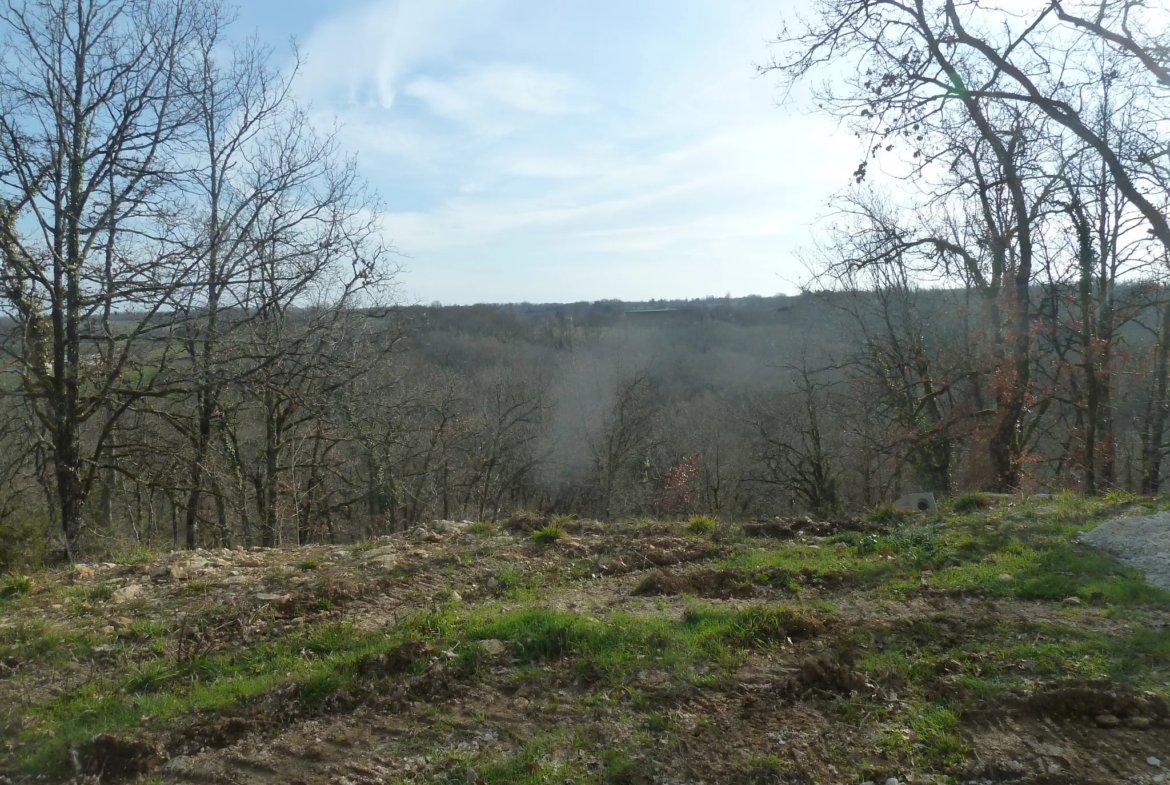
(805, 710)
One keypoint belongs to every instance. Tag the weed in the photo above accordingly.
(562, 519)
(310, 563)
(969, 502)
(548, 534)
(13, 587)
(702, 525)
(886, 512)
(482, 528)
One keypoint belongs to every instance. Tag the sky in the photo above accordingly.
(528, 150)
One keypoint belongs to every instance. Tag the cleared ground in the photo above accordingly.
(983, 644)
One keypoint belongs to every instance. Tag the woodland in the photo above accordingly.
(205, 343)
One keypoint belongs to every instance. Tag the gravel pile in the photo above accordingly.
(1141, 540)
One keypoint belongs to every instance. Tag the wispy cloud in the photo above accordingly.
(569, 150)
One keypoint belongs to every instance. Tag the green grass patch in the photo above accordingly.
(548, 534)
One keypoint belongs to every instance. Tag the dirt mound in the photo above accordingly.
(212, 734)
(1106, 703)
(617, 557)
(704, 583)
(525, 521)
(397, 660)
(835, 676)
(791, 528)
(112, 758)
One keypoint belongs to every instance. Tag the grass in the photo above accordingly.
(326, 661)
(630, 665)
(702, 525)
(969, 502)
(13, 587)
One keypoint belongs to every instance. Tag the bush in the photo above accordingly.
(25, 540)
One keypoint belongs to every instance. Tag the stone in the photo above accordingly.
(127, 593)
(492, 582)
(917, 502)
(235, 580)
(1106, 721)
(420, 533)
(1139, 723)
(1071, 600)
(892, 781)
(1153, 761)
(198, 563)
(1005, 577)
(160, 572)
(493, 647)
(456, 597)
(1046, 510)
(176, 573)
(268, 596)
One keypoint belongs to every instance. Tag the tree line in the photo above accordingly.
(202, 343)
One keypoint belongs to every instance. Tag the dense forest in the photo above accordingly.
(204, 341)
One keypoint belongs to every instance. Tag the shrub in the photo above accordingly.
(482, 528)
(25, 541)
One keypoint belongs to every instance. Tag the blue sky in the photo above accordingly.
(570, 150)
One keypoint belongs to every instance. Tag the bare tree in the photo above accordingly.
(90, 111)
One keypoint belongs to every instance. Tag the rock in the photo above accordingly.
(235, 580)
(197, 563)
(176, 573)
(493, 647)
(1071, 600)
(420, 533)
(456, 597)
(107, 630)
(917, 502)
(492, 583)
(1106, 721)
(1046, 510)
(1139, 723)
(180, 765)
(127, 593)
(1005, 577)
(160, 572)
(268, 596)
(892, 781)
(1142, 541)
(1153, 761)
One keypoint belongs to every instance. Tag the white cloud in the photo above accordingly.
(489, 98)
(527, 156)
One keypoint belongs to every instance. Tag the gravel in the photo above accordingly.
(1140, 540)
